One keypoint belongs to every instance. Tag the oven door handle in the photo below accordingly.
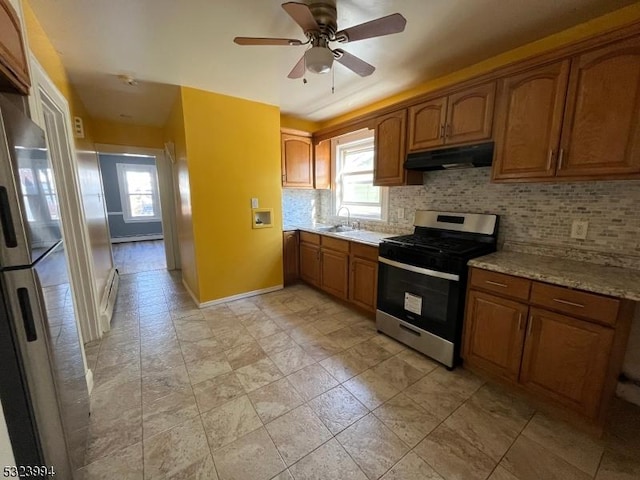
(423, 271)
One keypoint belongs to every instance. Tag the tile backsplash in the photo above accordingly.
(534, 217)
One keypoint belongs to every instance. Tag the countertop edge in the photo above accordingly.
(554, 279)
(333, 235)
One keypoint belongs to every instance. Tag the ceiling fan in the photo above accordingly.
(319, 24)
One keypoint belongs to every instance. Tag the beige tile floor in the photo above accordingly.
(137, 257)
(294, 385)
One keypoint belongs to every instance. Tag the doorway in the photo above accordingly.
(139, 208)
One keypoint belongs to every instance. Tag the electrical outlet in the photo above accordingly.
(579, 229)
(254, 203)
(400, 213)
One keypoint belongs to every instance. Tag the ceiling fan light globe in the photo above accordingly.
(318, 59)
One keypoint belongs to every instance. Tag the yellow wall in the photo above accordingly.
(233, 155)
(584, 30)
(287, 121)
(117, 133)
(174, 132)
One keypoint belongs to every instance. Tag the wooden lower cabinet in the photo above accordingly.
(310, 263)
(535, 343)
(363, 283)
(495, 333)
(334, 273)
(290, 257)
(566, 359)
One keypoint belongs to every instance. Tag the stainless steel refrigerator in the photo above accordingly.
(42, 377)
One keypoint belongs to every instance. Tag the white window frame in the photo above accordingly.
(122, 168)
(355, 140)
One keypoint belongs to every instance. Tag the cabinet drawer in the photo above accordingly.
(335, 244)
(307, 237)
(364, 251)
(500, 283)
(582, 304)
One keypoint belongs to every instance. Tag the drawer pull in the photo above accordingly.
(496, 284)
(566, 302)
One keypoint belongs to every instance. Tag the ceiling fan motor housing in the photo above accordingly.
(326, 16)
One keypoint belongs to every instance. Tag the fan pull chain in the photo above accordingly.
(333, 80)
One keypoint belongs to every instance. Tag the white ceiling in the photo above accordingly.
(190, 42)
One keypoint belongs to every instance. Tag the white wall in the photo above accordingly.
(6, 452)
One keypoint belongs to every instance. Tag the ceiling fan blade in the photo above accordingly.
(301, 15)
(285, 42)
(393, 23)
(354, 63)
(298, 70)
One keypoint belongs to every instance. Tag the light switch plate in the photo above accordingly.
(400, 213)
(254, 203)
(579, 229)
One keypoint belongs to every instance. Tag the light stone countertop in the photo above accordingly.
(366, 237)
(613, 281)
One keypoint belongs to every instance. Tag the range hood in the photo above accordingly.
(480, 155)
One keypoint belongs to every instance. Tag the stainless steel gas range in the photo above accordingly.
(422, 280)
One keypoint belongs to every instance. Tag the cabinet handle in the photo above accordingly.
(567, 302)
(550, 159)
(442, 131)
(560, 158)
(520, 321)
(529, 326)
(496, 284)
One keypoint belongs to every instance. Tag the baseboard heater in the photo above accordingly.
(109, 300)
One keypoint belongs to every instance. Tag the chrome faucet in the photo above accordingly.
(348, 214)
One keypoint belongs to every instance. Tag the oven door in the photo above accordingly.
(428, 299)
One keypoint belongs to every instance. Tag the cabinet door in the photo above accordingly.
(390, 149)
(426, 124)
(494, 334)
(566, 359)
(323, 165)
(334, 274)
(529, 121)
(290, 256)
(310, 263)
(601, 131)
(297, 161)
(14, 73)
(470, 114)
(363, 283)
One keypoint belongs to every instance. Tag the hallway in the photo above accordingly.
(137, 257)
(292, 384)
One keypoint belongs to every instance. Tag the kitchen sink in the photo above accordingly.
(335, 228)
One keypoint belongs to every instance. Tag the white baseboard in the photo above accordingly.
(191, 294)
(89, 378)
(108, 302)
(139, 238)
(240, 296)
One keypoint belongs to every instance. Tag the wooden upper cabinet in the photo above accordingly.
(601, 132)
(297, 161)
(390, 149)
(494, 334)
(566, 359)
(470, 114)
(528, 122)
(323, 165)
(426, 124)
(14, 71)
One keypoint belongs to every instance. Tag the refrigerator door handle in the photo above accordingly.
(27, 315)
(9, 232)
